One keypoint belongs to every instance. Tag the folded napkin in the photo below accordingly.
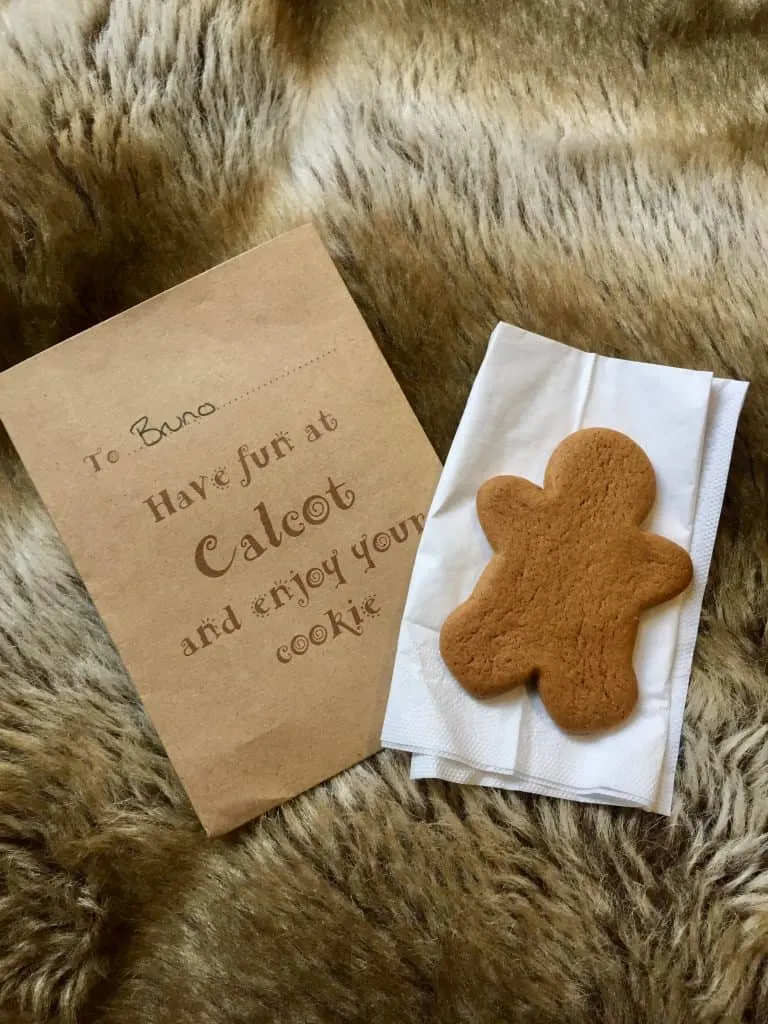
(529, 394)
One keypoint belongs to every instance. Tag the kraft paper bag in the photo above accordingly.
(242, 486)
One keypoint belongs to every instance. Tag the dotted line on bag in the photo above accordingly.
(280, 376)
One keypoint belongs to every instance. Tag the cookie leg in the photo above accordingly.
(481, 662)
(591, 699)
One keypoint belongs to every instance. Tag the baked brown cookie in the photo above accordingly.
(560, 600)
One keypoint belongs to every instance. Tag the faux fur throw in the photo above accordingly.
(594, 170)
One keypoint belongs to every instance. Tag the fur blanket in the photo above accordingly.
(595, 171)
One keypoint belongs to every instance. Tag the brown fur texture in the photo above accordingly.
(594, 170)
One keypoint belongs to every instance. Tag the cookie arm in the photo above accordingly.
(502, 503)
(664, 570)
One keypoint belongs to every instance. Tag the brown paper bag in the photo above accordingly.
(242, 485)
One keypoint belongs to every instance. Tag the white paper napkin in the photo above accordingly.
(529, 394)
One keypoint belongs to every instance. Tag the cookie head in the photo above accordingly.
(605, 469)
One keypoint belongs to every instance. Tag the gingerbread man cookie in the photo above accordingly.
(560, 600)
